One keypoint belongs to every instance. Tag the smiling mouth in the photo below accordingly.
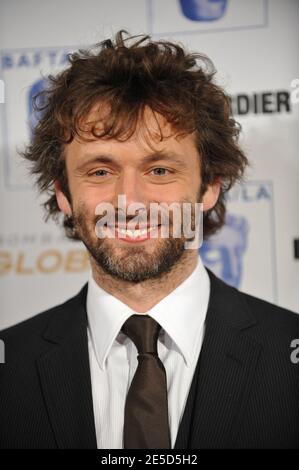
(139, 234)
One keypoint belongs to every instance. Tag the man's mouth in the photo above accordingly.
(139, 234)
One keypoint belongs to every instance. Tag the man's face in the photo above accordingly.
(167, 171)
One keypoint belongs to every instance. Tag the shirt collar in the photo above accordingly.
(181, 314)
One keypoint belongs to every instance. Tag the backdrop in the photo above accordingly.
(254, 46)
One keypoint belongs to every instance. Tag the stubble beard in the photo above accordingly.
(132, 263)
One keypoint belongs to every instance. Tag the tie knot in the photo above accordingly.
(143, 330)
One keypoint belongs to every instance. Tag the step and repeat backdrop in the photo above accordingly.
(255, 48)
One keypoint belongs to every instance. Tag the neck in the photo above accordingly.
(142, 296)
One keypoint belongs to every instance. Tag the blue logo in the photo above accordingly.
(34, 116)
(223, 252)
(203, 10)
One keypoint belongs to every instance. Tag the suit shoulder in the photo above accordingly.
(271, 314)
(38, 322)
(266, 315)
(261, 309)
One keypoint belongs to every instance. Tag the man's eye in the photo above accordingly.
(160, 171)
(99, 173)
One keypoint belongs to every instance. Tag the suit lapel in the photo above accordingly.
(219, 389)
(65, 377)
(223, 375)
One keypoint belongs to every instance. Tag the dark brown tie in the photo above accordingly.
(146, 423)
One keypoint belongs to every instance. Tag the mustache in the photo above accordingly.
(144, 219)
(134, 222)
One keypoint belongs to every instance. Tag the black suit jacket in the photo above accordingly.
(244, 392)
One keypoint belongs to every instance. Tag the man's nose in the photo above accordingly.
(130, 185)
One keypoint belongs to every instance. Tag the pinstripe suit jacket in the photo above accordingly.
(244, 392)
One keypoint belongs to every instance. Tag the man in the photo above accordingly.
(155, 351)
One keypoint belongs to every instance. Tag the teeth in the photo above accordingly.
(134, 233)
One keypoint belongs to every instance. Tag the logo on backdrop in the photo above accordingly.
(203, 10)
(34, 116)
(246, 242)
(199, 16)
(23, 73)
(266, 102)
(224, 253)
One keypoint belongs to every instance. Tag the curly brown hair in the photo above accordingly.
(131, 73)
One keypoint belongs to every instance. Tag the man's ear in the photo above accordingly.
(211, 195)
(62, 200)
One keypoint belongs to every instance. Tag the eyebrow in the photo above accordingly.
(150, 158)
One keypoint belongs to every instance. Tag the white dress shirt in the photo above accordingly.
(113, 356)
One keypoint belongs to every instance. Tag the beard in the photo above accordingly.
(129, 263)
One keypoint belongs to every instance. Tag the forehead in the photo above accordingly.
(147, 120)
(153, 133)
